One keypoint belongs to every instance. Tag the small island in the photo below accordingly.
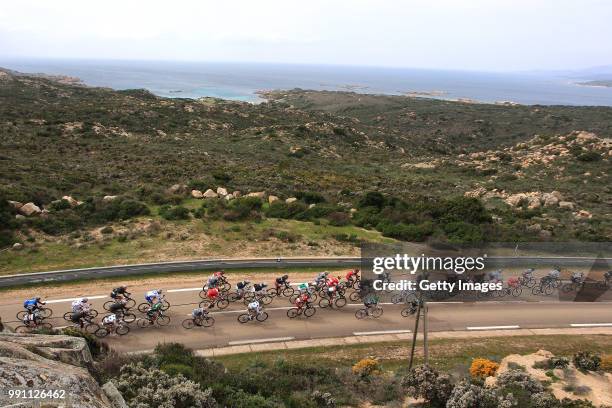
(606, 83)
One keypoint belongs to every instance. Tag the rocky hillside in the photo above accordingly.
(53, 362)
(541, 171)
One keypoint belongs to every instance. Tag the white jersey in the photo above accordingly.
(78, 305)
(254, 305)
(110, 319)
(152, 294)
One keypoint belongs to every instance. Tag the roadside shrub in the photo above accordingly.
(481, 368)
(107, 230)
(466, 395)
(323, 399)
(151, 387)
(366, 367)
(243, 208)
(550, 363)
(59, 205)
(176, 369)
(240, 399)
(587, 361)
(519, 379)
(373, 199)
(7, 223)
(570, 403)
(173, 213)
(425, 382)
(544, 400)
(606, 363)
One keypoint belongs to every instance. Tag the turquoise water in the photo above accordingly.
(241, 81)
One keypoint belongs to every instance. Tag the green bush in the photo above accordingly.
(587, 361)
(309, 197)
(96, 348)
(589, 156)
(174, 213)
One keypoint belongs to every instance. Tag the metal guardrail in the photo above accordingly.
(209, 264)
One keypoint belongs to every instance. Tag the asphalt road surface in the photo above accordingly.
(443, 316)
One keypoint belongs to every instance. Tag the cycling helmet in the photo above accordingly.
(37, 298)
(285, 277)
(84, 300)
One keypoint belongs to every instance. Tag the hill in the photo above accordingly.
(445, 170)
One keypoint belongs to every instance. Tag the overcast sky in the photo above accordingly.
(454, 34)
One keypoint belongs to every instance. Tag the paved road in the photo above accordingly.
(538, 313)
(215, 264)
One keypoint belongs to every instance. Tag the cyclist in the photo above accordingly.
(332, 286)
(281, 282)
(352, 276)
(259, 288)
(302, 300)
(608, 276)
(154, 311)
(198, 314)
(321, 278)
(33, 305)
(119, 293)
(513, 282)
(79, 316)
(80, 305)
(253, 309)
(577, 277)
(528, 273)
(153, 296)
(495, 276)
(110, 320)
(241, 287)
(212, 294)
(370, 301)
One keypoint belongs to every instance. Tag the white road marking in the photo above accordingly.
(493, 327)
(183, 290)
(256, 341)
(380, 332)
(591, 324)
(71, 299)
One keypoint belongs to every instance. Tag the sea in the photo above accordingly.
(242, 81)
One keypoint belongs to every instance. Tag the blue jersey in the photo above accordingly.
(30, 303)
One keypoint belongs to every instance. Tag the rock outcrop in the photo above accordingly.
(51, 362)
(30, 209)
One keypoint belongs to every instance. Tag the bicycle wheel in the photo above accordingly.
(188, 324)
(288, 291)
(122, 329)
(377, 312)
(101, 332)
(203, 294)
(266, 300)
(293, 298)
(340, 302)
(21, 315)
(129, 317)
(143, 307)
(91, 328)
(293, 312)
(243, 318)
(22, 329)
(395, 299)
(323, 303)
(208, 321)
(517, 291)
(222, 303)
(536, 290)
(568, 287)
(232, 297)
(225, 287)
(67, 316)
(262, 317)
(45, 312)
(309, 311)
(271, 292)
(205, 304)
(361, 313)
(93, 313)
(130, 303)
(107, 305)
(165, 305)
(163, 320)
(313, 297)
(406, 312)
(142, 323)
(548, 290)
(355, 296)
